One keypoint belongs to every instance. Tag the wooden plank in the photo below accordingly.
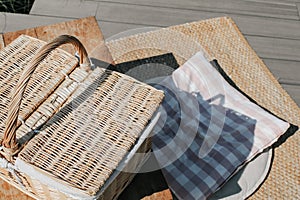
(86, 29)
(10, 36)
(156, 16)
(115, 30)
(64, 8)
(275, 48)
(13, 22)
(266, 9)
(2, 22)
(89, 33)
(293, 91)
(145, 15)
(268, 27)
(48, 33)
(284, 69)
(282, 2)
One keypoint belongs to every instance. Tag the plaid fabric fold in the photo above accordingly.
(207, 130)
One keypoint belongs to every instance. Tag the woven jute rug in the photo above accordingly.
(221, 39)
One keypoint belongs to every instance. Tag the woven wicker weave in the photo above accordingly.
(221, 39)
(95, 121)
(80, 129)
(50, 74)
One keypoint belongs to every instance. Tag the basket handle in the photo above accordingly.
(9, 143)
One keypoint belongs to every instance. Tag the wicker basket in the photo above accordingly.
(78, 126)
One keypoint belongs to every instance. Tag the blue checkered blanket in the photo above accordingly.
(207, 130)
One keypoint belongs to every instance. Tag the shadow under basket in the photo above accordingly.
(70, 130)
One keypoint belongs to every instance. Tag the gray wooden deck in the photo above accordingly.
(272, 27)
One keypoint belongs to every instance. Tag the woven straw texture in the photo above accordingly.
(51, 72)
(85, 141)
(221, 39)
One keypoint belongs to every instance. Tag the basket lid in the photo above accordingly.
(86, 140)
